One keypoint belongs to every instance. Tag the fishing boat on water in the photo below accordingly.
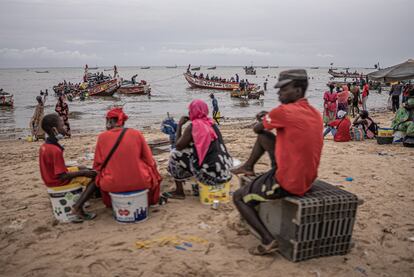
(265, 67)
(247, 94)
(175, 66)
(44, 71)
(250, 70)
(196, 82)
(212, 68)
(196, 68)
(107, 88)
(314, 67)
(346, 74)
(6, 99)
(145, 67)
(128, 87)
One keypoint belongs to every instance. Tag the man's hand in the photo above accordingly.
(183, 120)
(89, 173)
(260, 115)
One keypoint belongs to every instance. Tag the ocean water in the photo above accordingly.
(170, 93)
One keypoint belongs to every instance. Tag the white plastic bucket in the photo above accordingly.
(130, 206)
(63, 198)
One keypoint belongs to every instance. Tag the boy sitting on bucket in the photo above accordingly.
(54, 171)
(295, 154)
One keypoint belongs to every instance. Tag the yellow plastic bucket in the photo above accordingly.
(210, 193)
(385, 132)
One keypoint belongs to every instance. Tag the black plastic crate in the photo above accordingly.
(339, 245)
(299, 251)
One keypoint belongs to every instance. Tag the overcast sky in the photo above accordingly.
(209, 32)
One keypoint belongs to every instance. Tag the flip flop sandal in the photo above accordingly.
(173, 195)
(262, 250)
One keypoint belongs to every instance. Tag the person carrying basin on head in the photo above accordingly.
(295, 154)
(200, 151)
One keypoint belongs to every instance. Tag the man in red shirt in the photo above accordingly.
(340, 128)
(131, 167)
(54, 171)
(297, 149)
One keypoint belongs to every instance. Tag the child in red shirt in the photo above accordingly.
(54, 171)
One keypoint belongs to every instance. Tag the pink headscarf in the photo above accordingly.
(202, 130)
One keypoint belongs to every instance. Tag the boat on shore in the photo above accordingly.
(249, 70)
(196, 82)
(107, 88)
(196, 68)
(346, 74)
(44, 71)
(212, 68)
(6, 99)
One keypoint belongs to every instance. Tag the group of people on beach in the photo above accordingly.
(124, 162)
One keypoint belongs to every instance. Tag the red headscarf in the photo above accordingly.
(119, 114)
(202, 130)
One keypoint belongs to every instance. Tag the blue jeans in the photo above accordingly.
(331, 130)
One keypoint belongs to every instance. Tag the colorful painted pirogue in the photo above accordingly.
(196, 82)
(346, 74)
(138, 89)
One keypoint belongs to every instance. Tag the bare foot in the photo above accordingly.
(242, 170)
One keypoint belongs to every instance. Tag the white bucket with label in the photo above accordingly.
(130, 207)
(63, 198)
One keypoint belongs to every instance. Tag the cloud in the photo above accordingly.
(325, 55)
(43, 53)
(235, 51)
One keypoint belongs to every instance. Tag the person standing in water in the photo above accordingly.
(35, 122)
(216, 113)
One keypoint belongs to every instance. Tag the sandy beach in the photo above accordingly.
(33, 243)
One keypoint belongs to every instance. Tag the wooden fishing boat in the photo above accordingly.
(212, 68)
(93, 68)
(247, 94)
(145, 67)
(208, 84)
(6, 99)
(345, 74)
(196, 68)
(172, 66)
(314, 67)
(265, 67)
(44, 71)
(250, 70)
(107, 88)
(136, 89)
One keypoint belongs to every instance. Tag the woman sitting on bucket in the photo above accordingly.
(131, 166)
(200, 151)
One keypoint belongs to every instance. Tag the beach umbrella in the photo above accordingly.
(399, 72)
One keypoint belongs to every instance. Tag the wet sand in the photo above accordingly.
(32, 243)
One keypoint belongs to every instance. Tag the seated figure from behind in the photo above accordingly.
(295, 154)
(131, 166)
(200, 151)
(404, 119)
(339, 127)
(366, 123)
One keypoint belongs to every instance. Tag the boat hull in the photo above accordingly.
(345, 75)
(207, 84)
(107, 88)
(135, 90)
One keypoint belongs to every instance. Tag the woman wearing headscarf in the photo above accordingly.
(330, 97)
(35, 122)
(200, 151)
(62, 110)
(131, 166)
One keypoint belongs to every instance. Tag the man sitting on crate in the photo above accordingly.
(124, 161)
(297, 149)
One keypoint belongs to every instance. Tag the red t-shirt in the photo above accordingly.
(343, 126)
(52, 164)
(365, 90)
(299, 144)
(130, 168)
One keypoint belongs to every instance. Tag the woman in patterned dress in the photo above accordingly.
(200, 151)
